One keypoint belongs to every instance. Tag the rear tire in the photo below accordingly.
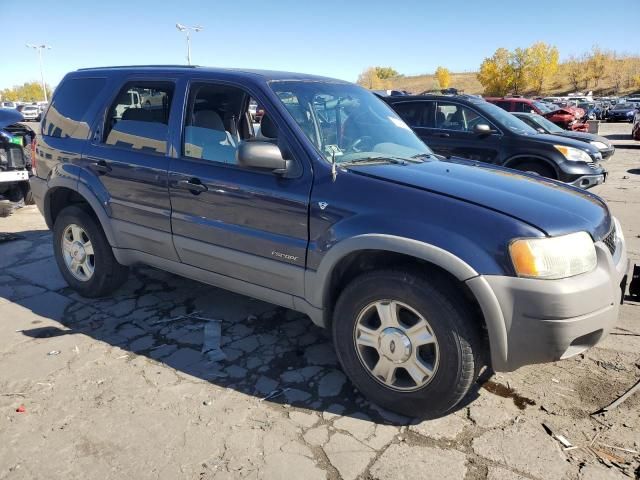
(449, 345)
(99, 273)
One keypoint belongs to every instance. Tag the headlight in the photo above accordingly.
(573, 154)
(599, 145)
(554, 257)
(629, 114)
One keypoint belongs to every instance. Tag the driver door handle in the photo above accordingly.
(443, 135)
(101, 166)
(194, 185)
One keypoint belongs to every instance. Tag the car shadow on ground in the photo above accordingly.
(634, 171)
(270, 352)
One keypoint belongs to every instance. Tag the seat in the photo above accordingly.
(440, 119)
(206, 138)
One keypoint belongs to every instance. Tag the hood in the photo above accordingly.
(622, 110)
(550, 206)
(561, 111)
(583, 136)
(566, 140)
(9, 116)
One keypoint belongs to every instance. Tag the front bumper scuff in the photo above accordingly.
(549, 320)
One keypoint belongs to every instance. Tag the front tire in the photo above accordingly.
(537, 168)
(406, 344)
(84, 255)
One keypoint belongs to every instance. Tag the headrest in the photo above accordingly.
(208, 119)
(267, 127)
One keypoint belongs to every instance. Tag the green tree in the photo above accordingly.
(543, 64)
(385, 73)
(496, 73)
(444, 77)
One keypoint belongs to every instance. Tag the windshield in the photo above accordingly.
(543, 107)
(506, 120)
(546, 124)
(623, 106)
(347, 123)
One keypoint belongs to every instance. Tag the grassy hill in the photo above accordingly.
(468, 82)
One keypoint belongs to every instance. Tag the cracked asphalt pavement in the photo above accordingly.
(172, 379)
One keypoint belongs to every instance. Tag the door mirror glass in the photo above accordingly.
(262, 155)
(482, 129)
(540, 130)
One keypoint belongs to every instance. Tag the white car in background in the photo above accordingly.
(31, 112)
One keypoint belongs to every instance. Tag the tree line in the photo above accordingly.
(534, 70)
(27, 92)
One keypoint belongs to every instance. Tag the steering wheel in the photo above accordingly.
(362, 144)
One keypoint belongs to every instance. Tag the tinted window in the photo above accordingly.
(523, 107)
(504, 105)
(67, 114)
(138, 118)
(416, 114)
(451, 116)
(218, 118)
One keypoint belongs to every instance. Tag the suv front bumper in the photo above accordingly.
(549, 320)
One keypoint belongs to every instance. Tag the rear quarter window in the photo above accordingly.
(67, 115)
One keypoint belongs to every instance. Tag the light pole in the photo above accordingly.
(184, 28)
(39, 48)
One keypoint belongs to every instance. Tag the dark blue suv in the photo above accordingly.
(333, 207)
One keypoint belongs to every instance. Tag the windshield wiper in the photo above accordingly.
(394, 160)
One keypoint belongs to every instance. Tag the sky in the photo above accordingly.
(336, 38)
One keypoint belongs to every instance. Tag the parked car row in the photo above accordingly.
(31, 111)
(426, 268)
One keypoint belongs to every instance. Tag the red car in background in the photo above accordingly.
(563, 117)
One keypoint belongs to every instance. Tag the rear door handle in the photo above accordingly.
(194, 185)
(101, 166)
(443, 135)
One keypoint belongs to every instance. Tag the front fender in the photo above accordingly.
(316, 283)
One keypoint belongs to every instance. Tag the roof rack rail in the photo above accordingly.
(138, 66)
(444, 91)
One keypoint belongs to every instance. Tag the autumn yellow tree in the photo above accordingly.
(543, 64)
(519, 60)
(597, 63)
(496, 73)
(377, 78)
(27, 92)
(444, 77)
(369, 79)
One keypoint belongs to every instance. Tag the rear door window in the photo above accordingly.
(138, 118)
(67, 115)
(416, 114)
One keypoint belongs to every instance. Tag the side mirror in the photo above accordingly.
(262, 155)
(482, 129)
(540, 130)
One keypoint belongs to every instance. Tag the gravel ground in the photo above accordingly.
(121, 388)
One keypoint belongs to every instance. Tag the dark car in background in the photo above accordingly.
(545, 126)
(622, 112)
(469, 127)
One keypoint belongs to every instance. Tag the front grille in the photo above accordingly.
(593, 165)
(610, 240)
